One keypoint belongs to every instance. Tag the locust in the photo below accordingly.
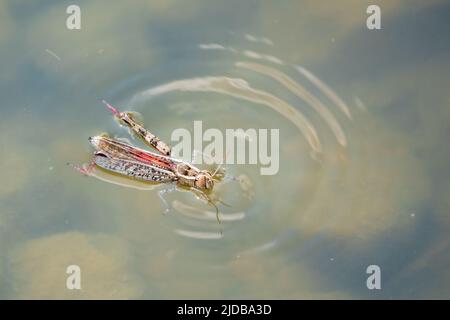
(122, 158)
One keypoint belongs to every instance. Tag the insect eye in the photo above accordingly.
(200, 181)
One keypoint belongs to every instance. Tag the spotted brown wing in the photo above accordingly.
(134, 169)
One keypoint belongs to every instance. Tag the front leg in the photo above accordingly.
(208, 199)
(161, 195)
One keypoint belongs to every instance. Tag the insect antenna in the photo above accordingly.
(217, 170)
(221, 165)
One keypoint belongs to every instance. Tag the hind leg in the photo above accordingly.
(83, 170)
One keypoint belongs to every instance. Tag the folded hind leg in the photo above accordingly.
(127, 119)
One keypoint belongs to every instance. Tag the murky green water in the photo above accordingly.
(364, 119)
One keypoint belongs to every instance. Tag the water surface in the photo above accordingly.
(364, 124)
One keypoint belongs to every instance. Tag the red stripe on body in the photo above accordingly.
(147, 158)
